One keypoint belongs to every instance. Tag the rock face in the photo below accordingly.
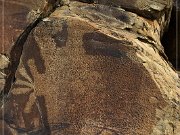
(146, 8)
(14, 20)
(94, 70)
(151, 9)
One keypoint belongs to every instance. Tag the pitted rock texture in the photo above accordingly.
(94, 70)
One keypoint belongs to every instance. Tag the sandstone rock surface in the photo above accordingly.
(94, 70)
(14, 20)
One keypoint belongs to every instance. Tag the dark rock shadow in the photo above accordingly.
(87, 1)
(171, 38)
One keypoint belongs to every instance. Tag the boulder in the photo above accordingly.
(92, 69)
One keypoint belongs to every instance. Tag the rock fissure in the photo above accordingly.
(15, 55)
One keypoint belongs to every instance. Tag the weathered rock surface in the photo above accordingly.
(151, 9)
(4, 61)
(148, 8)
(94, 70)
(14, 20)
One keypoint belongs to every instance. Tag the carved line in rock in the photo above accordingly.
(38, 60)
(16, 52)
(96, 44)
(15, 55)
(39, 111)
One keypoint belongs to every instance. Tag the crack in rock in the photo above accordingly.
(16, 52)
(14, 58)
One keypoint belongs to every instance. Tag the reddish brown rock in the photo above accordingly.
(14, 20)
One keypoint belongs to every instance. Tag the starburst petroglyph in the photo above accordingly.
(28, 82)
(24, 85)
